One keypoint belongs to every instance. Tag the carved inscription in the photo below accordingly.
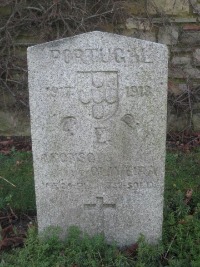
(99, 208)
(53, 91)
(138, 91)
(98, 93)
(69, 125)
(120, 170)
(102, 135)
(136, 186)
(103, 55)
(129, 120)
(88, 165)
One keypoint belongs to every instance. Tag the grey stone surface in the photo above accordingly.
(143, 35)
(177, 72)
(173, 19)
(177, 123)
(196, 121)
(196, 57)
(168, 35)
(186, 71)
(170, 7)
(14, 123)
(148, 36)
(98, 119)
(181, 49)
(181, 60)
(138, 23)
(176, 88)
(195, 6)
(192, 72)
(196, 108)
(190, 38)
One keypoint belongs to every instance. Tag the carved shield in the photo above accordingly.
(98, 93)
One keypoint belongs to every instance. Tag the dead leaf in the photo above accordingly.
(188, 195)
(131, 250)
(7, 243)
(5, 152)
(186, 219)
(19, 162)
(5, 143)
(182, 222)
(7, 231)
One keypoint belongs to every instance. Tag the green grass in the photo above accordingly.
(181, 229)
(180, 246)
(77, 250)
(17, 169)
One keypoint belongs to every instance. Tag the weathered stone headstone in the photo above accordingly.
(98, 116)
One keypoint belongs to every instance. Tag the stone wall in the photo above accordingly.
(175, 23)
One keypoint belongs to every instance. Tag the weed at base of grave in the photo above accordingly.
(77, 250)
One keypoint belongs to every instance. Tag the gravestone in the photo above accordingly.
(98, 119)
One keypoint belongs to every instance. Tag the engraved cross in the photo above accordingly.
(100, 206)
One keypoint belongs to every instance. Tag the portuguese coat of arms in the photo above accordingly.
(98, 93)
